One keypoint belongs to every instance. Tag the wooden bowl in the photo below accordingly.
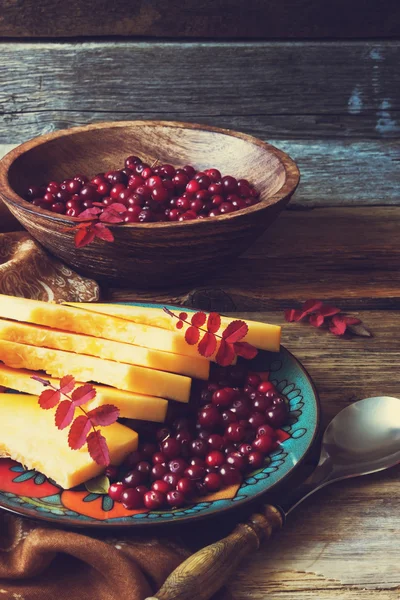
(149, 255)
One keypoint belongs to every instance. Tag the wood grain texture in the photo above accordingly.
(205, 18)
(154, 255)
(271, 89)
(341, 543)
(345, 255)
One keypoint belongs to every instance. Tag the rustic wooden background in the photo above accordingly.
(321, 80)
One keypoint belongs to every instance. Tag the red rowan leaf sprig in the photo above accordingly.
(319, 314)
(93, 223)
(82, 429)
(203, 330)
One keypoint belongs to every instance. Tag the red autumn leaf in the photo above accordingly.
(179, 325)
(111, 216)
(104, 415)
(100, 204)
(49, 399)
(292, 315)
(98, 450)
(198, 319)
(207, 345)
(118, 207)
(316, 320)
(83, 394)
(192, 335)
(89, 213)
(337, 326)
(351, 320)
(103, 232)
(328, 311)
(67, 384)
(40, 380)
(235, 331)
(78, 432)
(84, 236)
(245, 350)
(225, 354)
(64, 414)
(183, 316)
(213, 322)
(310, 306)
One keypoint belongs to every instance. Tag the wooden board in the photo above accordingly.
(342, 543)
(275, 90)
(346, 255)
(217, 18)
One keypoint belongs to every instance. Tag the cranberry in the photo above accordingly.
(202, 434)
(160, 486)
(154, 500)
(193, 186)
(214, 213)
(277, 416)
(195, 472)
(73, 212)
(74, 186)
(229, 448)
(228, 417)
(132, 217)
(186, 486)
(176, 498)
(266, 430)
(107, 201)
(253, 379)
(143, 467)
(255, 459)
(265, 386)
(170, 448)
(239, 204)
(213, 174)
(89, 192)
(158, 458)
(116, 190)
(261, 403)
(182, 423)
(216, 442)
(209, 417)
(264, 444)
(115, 177)
(199, 447)
(115, 491)
(184, 438)
(82, 178)
(132, 161)
(132, 499)
(188, 216)
(104, 188)
(111, 472)
(145, 216)
(216, 189)
(178, 466)
(158, 471)
(226, 207)
(235, 432)
(241, 407)
(180, 180)
(163, 434)
(204, 181)
(224, 397)
(201, 488)
(256, 419)
(58, 207)
(34, 191)
(229, 184)
(196, 461)
(237, 460)
(174, 214)
(146, 173)
(245, 449)
(196, 205)
(213, 482)
(135, 181)
(189, 170)
(278, 400)
(142, 489)
(172, 479)
(230, 474)
(53, 188)
(134, 478)
(50, 198)
(215, 459)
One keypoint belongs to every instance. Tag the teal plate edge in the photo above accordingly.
(293, 382)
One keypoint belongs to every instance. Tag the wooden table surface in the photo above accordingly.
(338, 241)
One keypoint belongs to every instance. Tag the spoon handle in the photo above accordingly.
(206, 571)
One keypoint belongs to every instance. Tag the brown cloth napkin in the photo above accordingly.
(29, 271)
(40, 562)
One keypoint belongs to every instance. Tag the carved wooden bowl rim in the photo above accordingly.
(292, 173)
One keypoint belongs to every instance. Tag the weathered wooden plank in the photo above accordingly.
(207, 18)
(349, 256)
(273, 89)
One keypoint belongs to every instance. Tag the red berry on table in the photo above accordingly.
(229, 184)
(213, 482)
(209, 417)
(193, 186)
(170, 448)
(277, 416)
(263, 443)
(160, 486)
(186, 486)
(178, 466)
(245, 449)
(237, 460)
(266, 430)
(199, 447)
(224, 397)
(256, 419)
(158, 458)
(235, 432)
(215, 459)
(265, 386)
(195, 472)
(213, 174)
(172, 479)
(134, 478)
(158, 471)
(230, 474)
(255, 459)
(216, 441)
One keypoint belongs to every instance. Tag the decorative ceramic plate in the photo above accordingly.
(29, 493)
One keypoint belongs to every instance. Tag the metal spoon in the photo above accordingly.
(363, 438)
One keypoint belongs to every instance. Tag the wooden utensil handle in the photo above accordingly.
(206, 571)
